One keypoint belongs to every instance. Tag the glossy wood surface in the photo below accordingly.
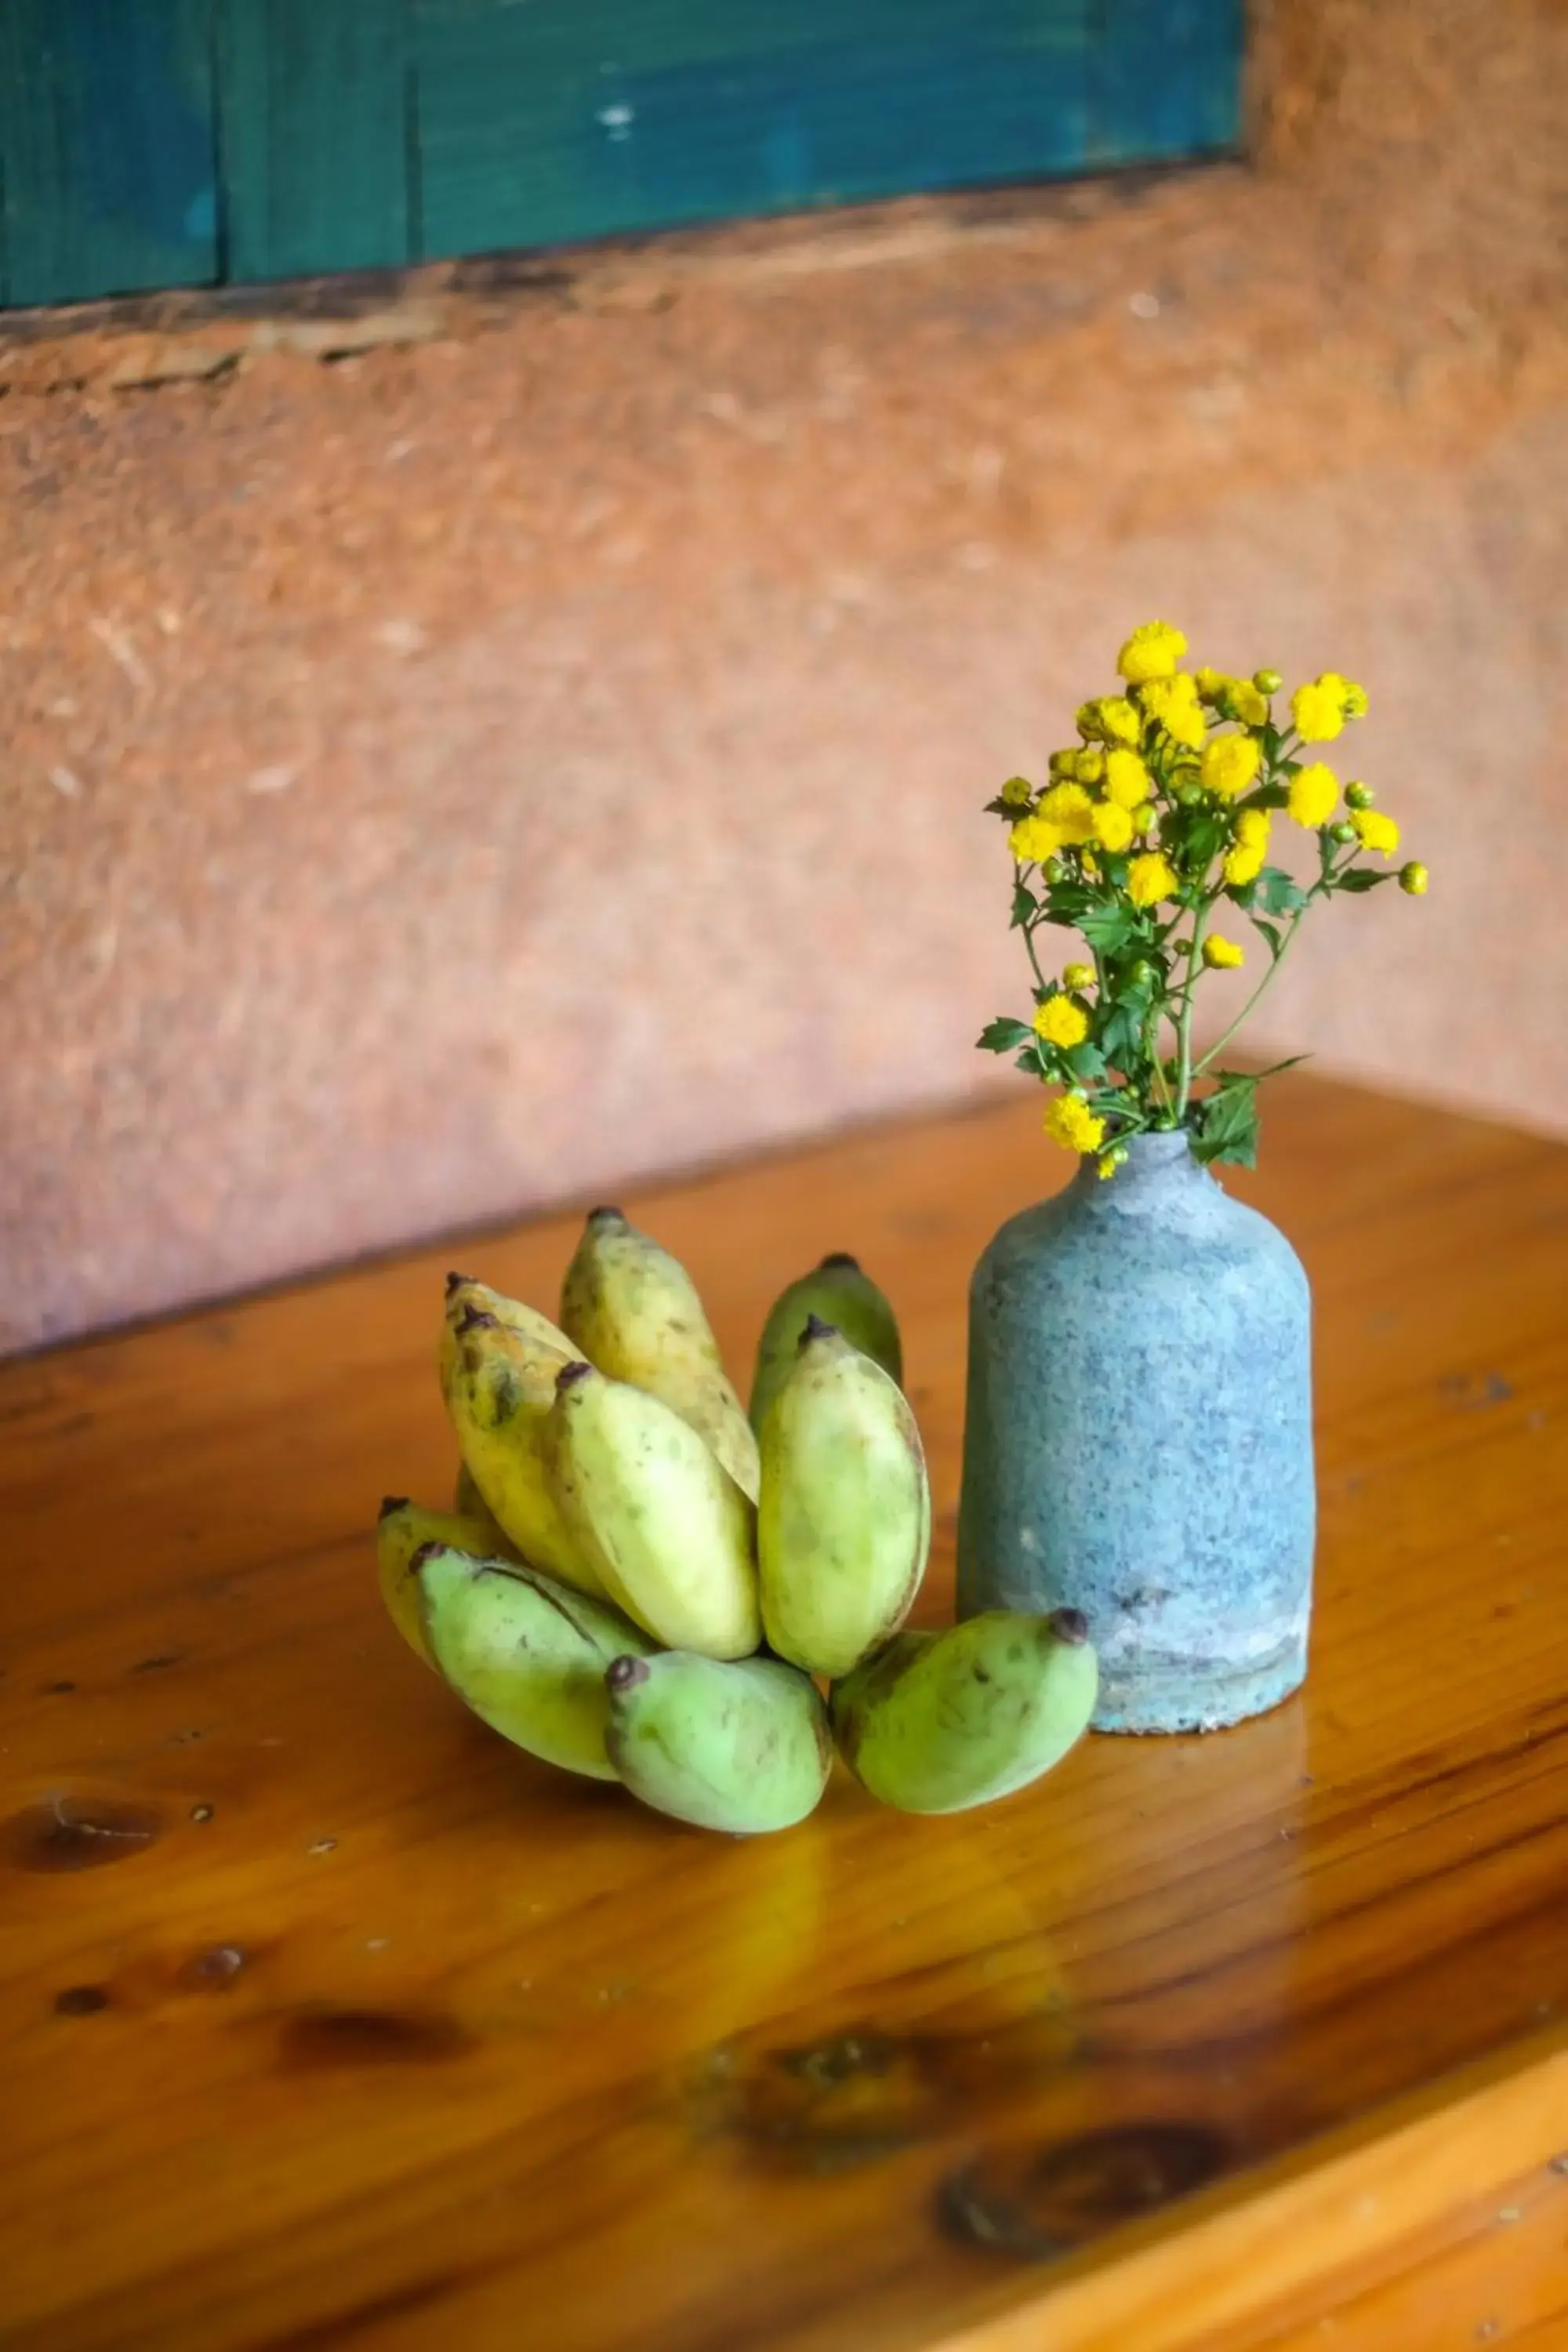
(332, 2021)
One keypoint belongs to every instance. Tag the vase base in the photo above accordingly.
(1169, 1695)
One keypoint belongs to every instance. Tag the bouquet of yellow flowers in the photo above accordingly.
(1160, 815)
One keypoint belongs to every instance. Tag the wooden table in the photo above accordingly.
(335, 2022)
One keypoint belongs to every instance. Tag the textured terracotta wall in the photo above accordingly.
(469, 772)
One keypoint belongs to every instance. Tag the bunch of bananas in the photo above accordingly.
(626, 1540)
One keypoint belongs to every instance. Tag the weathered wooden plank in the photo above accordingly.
(107, 147)
(314, 136)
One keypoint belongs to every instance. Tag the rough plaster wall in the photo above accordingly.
(463, 776)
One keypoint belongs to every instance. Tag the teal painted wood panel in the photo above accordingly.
(568, 118)
(313, 108)
(107, 147)
(1166, 79)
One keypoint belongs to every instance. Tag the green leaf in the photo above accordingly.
(1361, 877)
(1272, 933)
(1226, 1122)
(1025, 905)
(1276, 894)
(1108, 926)
(1001, 1036)
(1085, 1061)
(1033, 1059)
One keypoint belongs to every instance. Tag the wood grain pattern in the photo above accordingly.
(331, 2021)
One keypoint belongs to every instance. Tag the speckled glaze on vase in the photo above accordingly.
(1138, 1439)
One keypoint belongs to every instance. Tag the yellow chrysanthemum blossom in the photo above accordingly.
(1253, 827)
(1375, 832)
(1319, 709)
(1090, 769)
(1070, 1122)
(1077, 975)
(1244, 863)
(1414, 879)
(1230, 765)
(1356, 703)
(1033, 839)
(1172, 703)
(1221, 954)
(1313, 794)
(1126, 779)
(1112, 826)
(1018, 792)
(1070, 810)
(1061, 1022)
(1243, 701)
(1210, 683)
(1151, 879)
(1110, 719)
(1152, 651)
(1063, 763)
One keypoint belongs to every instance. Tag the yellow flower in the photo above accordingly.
(1243, 701)
(1077, 975)
(1152, 651)
(1070, 1122)
(1413, 879)
(1126, 779)
(1112, 826)
(1151, 879)
(1375, 831)
(1032, 840)
(1319, 709)
(1243, 865)
(1313, 794)
(1110, 719)
(1221, 954)
(1252, 829)
(1355, 699)
(1063, 763)
(1069, 808)
(1210, 683)
(1172, 703)
(1018, 791)
(1230, 765)
(1090, 768)
(1061, 1022)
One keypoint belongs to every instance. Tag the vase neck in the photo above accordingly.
(1158, 1166)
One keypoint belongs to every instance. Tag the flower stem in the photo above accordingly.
(1184, 1019)
(1223, 1040)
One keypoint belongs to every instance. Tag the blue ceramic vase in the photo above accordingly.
(1138, 1441)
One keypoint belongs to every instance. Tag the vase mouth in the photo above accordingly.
(1156, 1146)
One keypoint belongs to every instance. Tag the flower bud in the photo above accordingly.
(1190, 795)
(1359, 796)
(1344, 832)
(1413, 879)
(1266, 681)
(1056, 870)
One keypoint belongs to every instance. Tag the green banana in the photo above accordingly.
(527, 1655)
(938, 1722)
(401, 1530)
(665, 1529)
(837, 1292)
(499, 1390)
(635, 1313)
(743, 1748)
(845, 1523)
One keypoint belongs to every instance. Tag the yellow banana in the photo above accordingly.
(401, 1530)
(499, 1392)
(465, 1297)
(938, 1722)
(527, 1654)
(666, 1530)
(743, 1748)
(633, 1311)
(845, 1523)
